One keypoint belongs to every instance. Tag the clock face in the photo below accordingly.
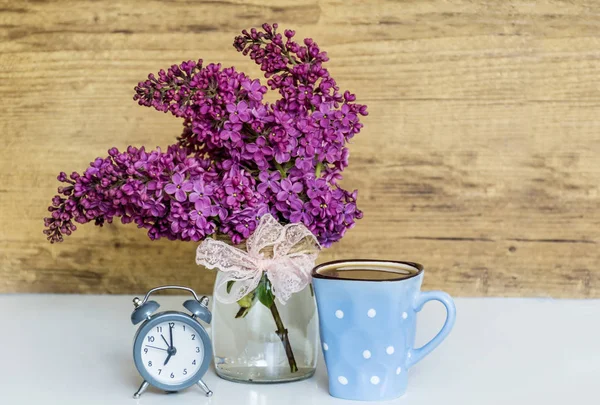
(172, 352)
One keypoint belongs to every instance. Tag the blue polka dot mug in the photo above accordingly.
(367, 318)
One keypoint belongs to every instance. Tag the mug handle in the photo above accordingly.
(416, 355)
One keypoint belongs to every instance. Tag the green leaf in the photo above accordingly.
(229, 285)
(247, 300)
(264, 292)
(246, 303)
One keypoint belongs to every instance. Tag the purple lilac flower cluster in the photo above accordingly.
(238, 157)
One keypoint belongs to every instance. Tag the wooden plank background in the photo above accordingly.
(480, 156)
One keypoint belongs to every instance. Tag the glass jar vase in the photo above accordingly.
(259, 344)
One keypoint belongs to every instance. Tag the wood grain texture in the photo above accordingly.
(480, 156)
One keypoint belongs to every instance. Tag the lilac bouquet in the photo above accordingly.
(238, 156)
(237, 159)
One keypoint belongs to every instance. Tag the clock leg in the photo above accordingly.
(205, 388)
(141, 390)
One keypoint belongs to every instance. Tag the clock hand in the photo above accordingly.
(170, 349)
(159, 348)
(167, 343)
(168, 358)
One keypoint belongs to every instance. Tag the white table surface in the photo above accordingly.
(61, 349)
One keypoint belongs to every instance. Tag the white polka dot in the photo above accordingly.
(374, 380)
(342, 380)
(404, 315)
(367, 354)
(371, 313)
(398, 370)
(389, 350)
(409, 355)
(339, 314)
(325, 347)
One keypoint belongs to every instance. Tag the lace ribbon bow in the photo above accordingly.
(286, 253)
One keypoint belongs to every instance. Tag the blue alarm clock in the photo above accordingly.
(171, 349)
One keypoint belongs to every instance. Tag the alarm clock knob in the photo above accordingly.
(199, 309)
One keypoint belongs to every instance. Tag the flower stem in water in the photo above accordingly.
(282, 332)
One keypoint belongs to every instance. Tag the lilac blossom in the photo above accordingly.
(179, 186)
(201, 192)
(238, 113)
(300, 212)
(238, 157)
(288, 190)
(255, 89)
(269, 181)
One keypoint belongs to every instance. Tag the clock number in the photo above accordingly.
(159, 371)
(184, 327)
(194, 363)
(172, 375)
(145, 350)
(159, 329)
(171, 324)
(185, 371)
(150, 339)
(149, 364)
(193, 337)
(197, 349)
